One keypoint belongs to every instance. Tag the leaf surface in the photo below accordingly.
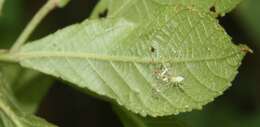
(179, 61)
(138, 10)
(11, 115)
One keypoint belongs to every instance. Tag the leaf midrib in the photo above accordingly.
(36, 55)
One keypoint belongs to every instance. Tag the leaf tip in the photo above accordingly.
(245, 49)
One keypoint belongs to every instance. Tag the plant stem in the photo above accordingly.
(5, 56)
(48, 7)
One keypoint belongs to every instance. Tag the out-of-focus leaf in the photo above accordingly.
(23, 81)
(165, 66)
(229, 115)
(1, 5)
(138, 10)
(29, 87)
(10, 22)
(249, 14)
(11, 72)
(10, 113)
(130, 119)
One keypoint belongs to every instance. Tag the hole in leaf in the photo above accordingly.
(152, 49)
(103, 14)
(213, 9)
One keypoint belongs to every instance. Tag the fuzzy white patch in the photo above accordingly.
(177, 79)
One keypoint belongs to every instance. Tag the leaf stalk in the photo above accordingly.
(5, 56)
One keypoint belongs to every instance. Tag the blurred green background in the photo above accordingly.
(67, 107)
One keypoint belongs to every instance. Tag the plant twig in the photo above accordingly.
(5, 56)
(48, 7)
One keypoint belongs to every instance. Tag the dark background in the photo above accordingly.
(67, 107)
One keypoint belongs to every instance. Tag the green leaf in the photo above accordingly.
(179, 61)
(1, 5)
(137, 10)
(132, 120)
(30, 89)
(11, 115)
